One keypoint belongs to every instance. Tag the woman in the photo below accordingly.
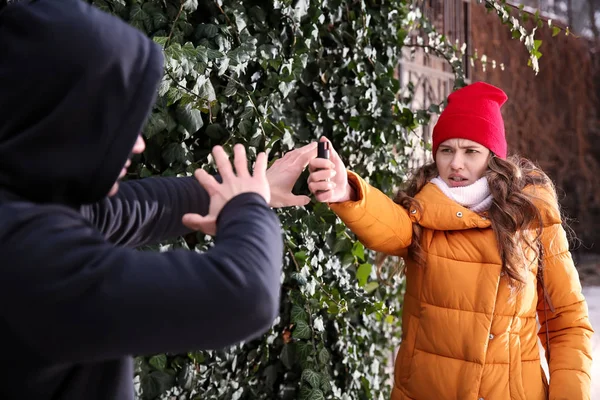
(474, 228)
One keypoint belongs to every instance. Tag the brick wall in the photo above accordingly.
(550, 118)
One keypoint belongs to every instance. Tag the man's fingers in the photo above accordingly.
(192, 221)
(300, 152)
(208, 182)
(196, 222)
(307, 148)
(306, 154)
(293, 200)
(260, 166)
(240, 161)
(223, 163)
(290, 200)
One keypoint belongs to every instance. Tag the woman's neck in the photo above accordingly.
(476, 196)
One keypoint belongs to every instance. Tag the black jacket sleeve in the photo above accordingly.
(78, 298)
(147, 211)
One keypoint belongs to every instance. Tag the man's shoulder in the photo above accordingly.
(22, 219)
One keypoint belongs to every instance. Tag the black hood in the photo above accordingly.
(76, 88)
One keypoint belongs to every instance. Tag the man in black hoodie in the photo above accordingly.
(76, 300)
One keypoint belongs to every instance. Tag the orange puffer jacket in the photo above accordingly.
(464, 337)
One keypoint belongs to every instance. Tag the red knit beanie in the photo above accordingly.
(473, 113)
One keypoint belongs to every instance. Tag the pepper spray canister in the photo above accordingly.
(323, 150)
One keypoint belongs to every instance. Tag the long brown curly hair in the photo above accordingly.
(515, 219)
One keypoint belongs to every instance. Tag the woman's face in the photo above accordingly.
(460, 162)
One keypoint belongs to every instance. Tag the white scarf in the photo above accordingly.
(476, 197)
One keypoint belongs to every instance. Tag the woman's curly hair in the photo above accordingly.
(516, 220)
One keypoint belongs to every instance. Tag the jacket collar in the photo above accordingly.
(439, 212)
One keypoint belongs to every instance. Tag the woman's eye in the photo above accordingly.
(472, 151)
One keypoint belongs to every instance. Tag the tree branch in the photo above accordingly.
(174, 24)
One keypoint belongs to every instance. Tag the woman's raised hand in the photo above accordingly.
(328, 179)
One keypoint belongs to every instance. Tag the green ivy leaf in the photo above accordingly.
(248, 112)
(190, 118)
(190, 5)
(213, 54)
(555, 31)
(189, 51)
(140, 18)
(288, 140)
(256, 139)
(159, 361)
(371, 286)
(342, 246)
(300, 256)
(245, 126)
(197, 356)
(301, 280)
(159, 20)
(174, 152)
(288, 355)
(305, 392)
(173, 95)
(362, 274)
(162, 40)
(257, 14)
(230, 89)
(358, 250)
(434, 109)
(102, 5)
(156, 124)
(155, 383)
(313, 378)
(240, 22)
(304, 350)
(136, 13)
(326, 384)
(145, 173)
(286, 88)
(324, 356)
(302, 330)
(208, 31)
(215, 131)
(206, 90)
(298, 314)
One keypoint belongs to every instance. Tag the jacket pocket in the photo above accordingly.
(406, 352)
(517, 390)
